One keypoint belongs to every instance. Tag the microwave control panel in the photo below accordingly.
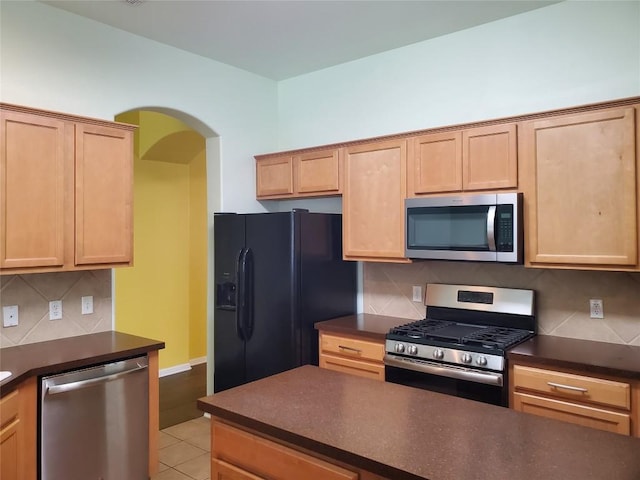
(504, 233)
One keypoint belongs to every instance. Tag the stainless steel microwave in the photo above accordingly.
(483, 228)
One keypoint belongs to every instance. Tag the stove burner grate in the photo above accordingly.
(487, 337)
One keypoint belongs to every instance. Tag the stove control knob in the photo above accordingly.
(482, 361)
(399, 347)
(413, 350)
(466, 358)
(438, 354)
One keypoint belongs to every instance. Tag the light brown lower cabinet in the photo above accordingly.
(349, 354)
(18, 414)
(237, 454)
(602, 403)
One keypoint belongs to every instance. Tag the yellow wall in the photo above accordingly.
(198, 256)
(163, 296)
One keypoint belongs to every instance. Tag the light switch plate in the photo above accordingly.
(10, 316)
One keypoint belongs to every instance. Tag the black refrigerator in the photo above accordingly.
(276, 274)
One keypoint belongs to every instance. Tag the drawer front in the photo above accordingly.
(352, 347)
(354, 367)
(575, 387)
(265, 458)
(225, 471)
(573, 413)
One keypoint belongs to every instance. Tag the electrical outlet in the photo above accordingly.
(10, 316)
(417, 293)
(87, 305)
(55, 310)
(597, 309)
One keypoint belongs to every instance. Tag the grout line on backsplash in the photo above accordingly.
(634, 339)
(33, 328)
(4, 285)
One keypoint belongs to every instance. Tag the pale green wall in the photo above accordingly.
(566, 54)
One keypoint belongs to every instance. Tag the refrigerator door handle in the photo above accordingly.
(248, 314)
(240, 294)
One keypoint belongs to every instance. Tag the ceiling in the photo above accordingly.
(283, 39)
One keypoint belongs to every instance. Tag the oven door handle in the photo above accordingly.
(487, 378)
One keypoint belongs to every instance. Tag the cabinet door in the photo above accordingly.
(104, 197)
(573, 413)
(317, 172)
(435, 163)
(580, 189)
(9, 437)
(35, 153)
(490, 158)
(274, 177)
(373, 201)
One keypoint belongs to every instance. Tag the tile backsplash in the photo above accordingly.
(562, 296)
(32, 294)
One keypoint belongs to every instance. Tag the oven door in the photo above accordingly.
(478, 385)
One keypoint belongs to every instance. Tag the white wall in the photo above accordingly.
(55, 60)
(563, 55)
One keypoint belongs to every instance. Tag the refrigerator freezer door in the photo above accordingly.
(273, 346)
(228, 347)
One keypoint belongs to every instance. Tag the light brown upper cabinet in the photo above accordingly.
(33, 174)
(580, 182)
(373, 201)
(67, 189)
(481, 158)
(310, 174)
(274, 177)
(104, 199)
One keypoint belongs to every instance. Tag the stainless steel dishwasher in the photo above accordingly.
(94, 423)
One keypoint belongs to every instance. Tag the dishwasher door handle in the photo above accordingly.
(71, 386)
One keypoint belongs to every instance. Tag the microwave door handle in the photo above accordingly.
(491, 231)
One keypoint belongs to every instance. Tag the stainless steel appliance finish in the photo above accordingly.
(94, 423)
(485, 228)
(462, 342)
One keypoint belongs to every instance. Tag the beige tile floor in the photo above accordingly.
(184, 451)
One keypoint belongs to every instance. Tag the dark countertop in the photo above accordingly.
(364, 325)
(408, 433)
(55, 356)
(588, 356)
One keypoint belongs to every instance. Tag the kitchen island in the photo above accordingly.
(378, 429)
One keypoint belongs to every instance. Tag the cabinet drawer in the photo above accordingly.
(573, 413)
(225, 471)
(354, 367)
(575, 387)
(352, 347)
(265, 458)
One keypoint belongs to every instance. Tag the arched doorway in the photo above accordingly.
(164, 295)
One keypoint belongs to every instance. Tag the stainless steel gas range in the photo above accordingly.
(460, 347)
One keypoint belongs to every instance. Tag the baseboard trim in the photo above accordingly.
(197, 361)
(183, 367)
